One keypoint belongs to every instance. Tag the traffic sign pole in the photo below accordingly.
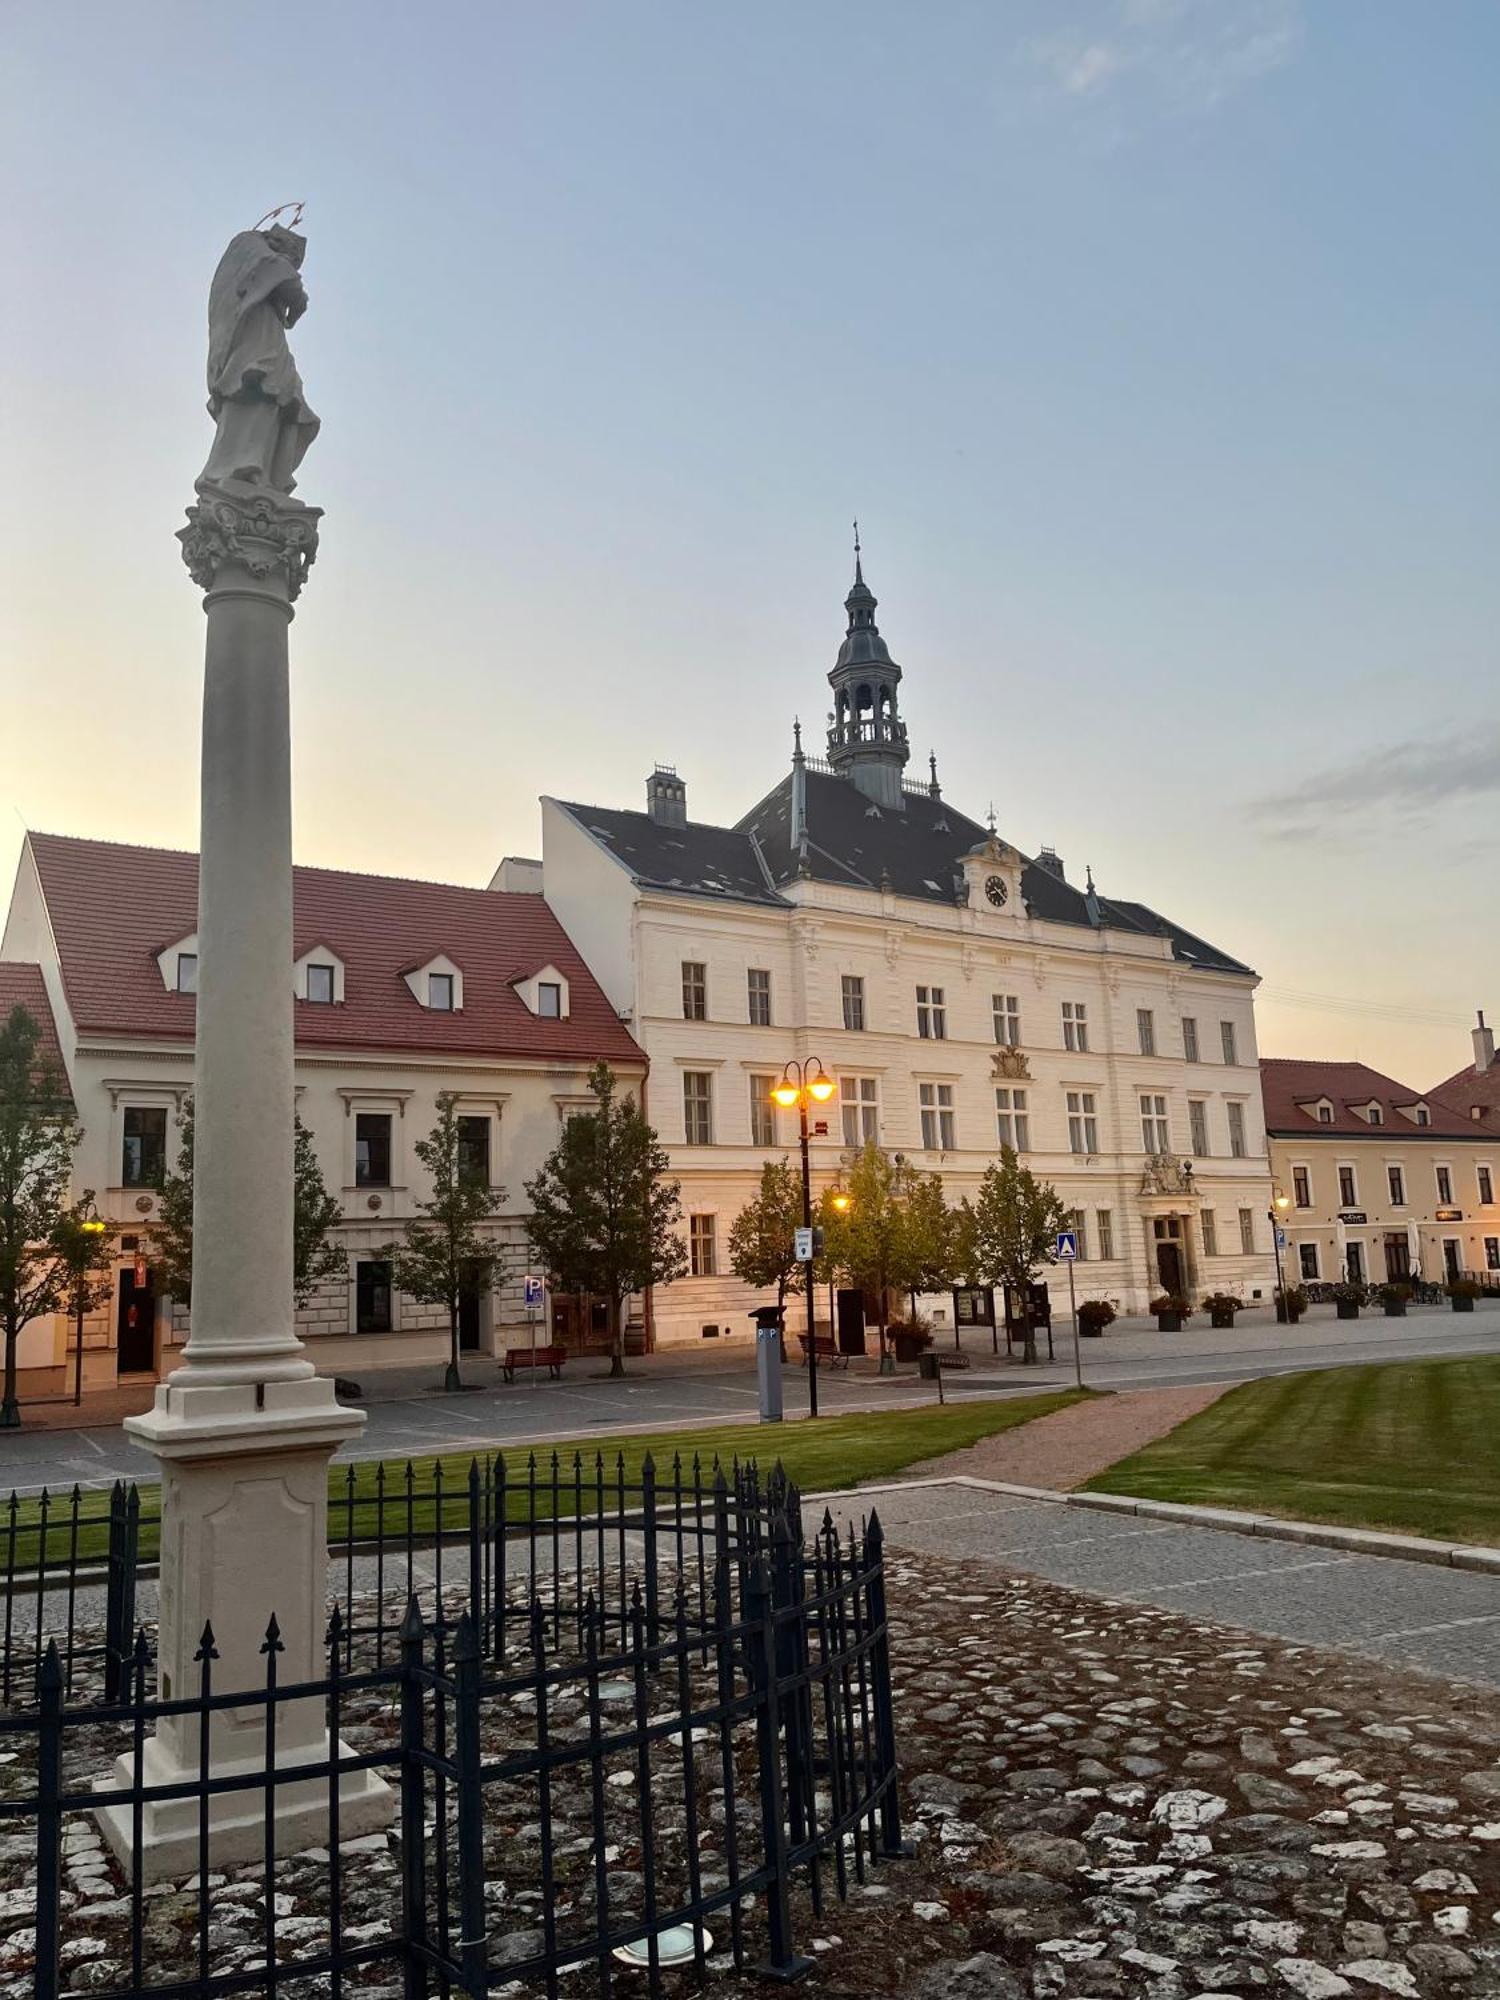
(1073, 1309)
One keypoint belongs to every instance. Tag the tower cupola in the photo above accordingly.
(866, 736)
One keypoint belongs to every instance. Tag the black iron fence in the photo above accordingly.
(623, 1721)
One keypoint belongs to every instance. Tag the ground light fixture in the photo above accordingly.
(802, 1083)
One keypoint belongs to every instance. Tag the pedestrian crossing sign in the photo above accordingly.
(1067, 1246)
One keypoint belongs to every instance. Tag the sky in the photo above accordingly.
(1153, 342)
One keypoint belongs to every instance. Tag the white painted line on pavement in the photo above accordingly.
(1421, 1631)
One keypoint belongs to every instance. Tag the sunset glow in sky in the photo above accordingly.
(1153, 342)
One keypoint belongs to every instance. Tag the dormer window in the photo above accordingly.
(318, 975)
(1325, 1114)
(437, 984)
(1423, 1115)
(320, 984)
(1375, 1115)
(178, 965)
(549, 999)
(440, 992)
(543, 993)
(187, 972)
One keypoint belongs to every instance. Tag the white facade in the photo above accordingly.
(637, 940)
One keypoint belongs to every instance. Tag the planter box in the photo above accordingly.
(1346, 1308)
(910, 1350)
(1395, 1309)
(1221, 1319)
(1462, 1305)
(1086, 1332)
(1169, 1322)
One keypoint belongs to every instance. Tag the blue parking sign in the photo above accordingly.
(1067, 1246)
(533, 1290)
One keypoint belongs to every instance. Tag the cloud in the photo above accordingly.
(1408, 781)
(1185, 56)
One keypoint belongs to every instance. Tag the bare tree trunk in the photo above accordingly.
(10, 1408)
(452, 1379)
(616, 1336)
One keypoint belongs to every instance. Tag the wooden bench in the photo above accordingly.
(824, 1348)
(550, 1358)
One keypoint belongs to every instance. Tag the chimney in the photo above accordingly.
(1051, 860)
(666, 797)
(1484, 1046)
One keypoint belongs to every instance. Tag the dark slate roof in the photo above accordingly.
(693, 860)
(919, 851)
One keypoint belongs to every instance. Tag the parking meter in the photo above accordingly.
(768, 1361)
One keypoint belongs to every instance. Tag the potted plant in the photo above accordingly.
(1094, 1315)
(1221, 1308)
(1348, 1299)
(1462, 1292)
(1171, 1311)
(1291, 1304)
(909, 1338)
(1394, 1297)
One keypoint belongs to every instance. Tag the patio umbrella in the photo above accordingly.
(1341, 1245)
(1414, 1248)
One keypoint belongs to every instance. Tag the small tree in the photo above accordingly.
(83, 1244)
(870, 1241)
(444, 1255)
(1016, 1220)
(38, 1137)
(762, 1237)
(927, 1249)
(316, 1257)
(604, 1217)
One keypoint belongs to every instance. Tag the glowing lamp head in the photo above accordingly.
(822, 1086)
(1283, 1202)
(785, 1094)
(841, 1203)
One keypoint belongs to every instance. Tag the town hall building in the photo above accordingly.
(964, 993)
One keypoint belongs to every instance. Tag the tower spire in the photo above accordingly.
(867, 738)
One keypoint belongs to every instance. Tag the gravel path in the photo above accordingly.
(1069, 1447)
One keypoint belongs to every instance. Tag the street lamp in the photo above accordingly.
(801, 1082)
(1279, 1206)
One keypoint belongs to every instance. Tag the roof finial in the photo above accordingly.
(1088, 877)
(990, 817)
(932, 767)
(859, 575)
(796, 735)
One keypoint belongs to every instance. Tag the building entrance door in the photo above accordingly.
(135, 1326)
(1169, 1268)
(1452, 1262)
(1397, 1257)
(1354, 1262)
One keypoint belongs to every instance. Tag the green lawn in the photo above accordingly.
(1408, 1446)
(833, 1452)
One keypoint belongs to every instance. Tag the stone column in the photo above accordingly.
(244, 1429)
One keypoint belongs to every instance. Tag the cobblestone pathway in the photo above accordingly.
(1070, 1446)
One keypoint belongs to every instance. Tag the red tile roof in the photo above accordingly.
(1286, 1085)
(21, 985)
(1470, 1088)
(114, 908)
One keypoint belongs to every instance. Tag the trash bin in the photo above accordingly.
(927, 1367)
(768, 1361)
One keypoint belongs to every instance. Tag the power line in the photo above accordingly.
(1377, 1009)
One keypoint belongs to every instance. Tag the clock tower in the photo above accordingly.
(866, 736)
(992, 877)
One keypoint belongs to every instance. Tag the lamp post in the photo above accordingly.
(800, 1083)
(1279, 1206)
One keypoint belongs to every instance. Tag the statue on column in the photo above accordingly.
(255, 394)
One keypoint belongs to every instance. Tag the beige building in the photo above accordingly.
(1381, 1182)
(402, 990)
(963, 993)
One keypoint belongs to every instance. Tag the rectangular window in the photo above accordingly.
(1078, 1222)
(1104, 1218)
(853, 989)
(372, 1297)
(762, 1111)
(1348, 1188)
(320, 985)
(1445, 1186)
(932, 1015)
(1486, 1187)
(694, 991)
(697, 1107)
(758, 996)
(936, 1101)
(1007, 1013)
(549, 1000)
(701, 1259)
(1396, 1181)
(1145, 1030)
(1210, 1226)
(1075, 1024)
(1301, 1187)
(187, 972)
(1424, 1116)
(1154, 1123)
(474, 1150)
(1189, 1039)
(859, 1109)
(1377, 1116)
(1325, 1114)
(440, 992)
(1354, 1262)
(1307, 1259)
(1226, 1036)
(1492, 1253)
(1198, 1126)
(372, 1149)
(1012, 1119)
(1247, 1232)
(1236, 1129)
(1083, 1122)
(143, 1161)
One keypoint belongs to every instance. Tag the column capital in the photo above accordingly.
(268, 537)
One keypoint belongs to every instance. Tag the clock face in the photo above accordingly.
(996, 890)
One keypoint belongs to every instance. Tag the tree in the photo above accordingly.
(604, 1218)
(82, 1242)
(316, 1257)
(1016, 1220)
(872, 1241)
(927, 1251)
(762, 1237)
(444, 1255)
(38, 1137)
